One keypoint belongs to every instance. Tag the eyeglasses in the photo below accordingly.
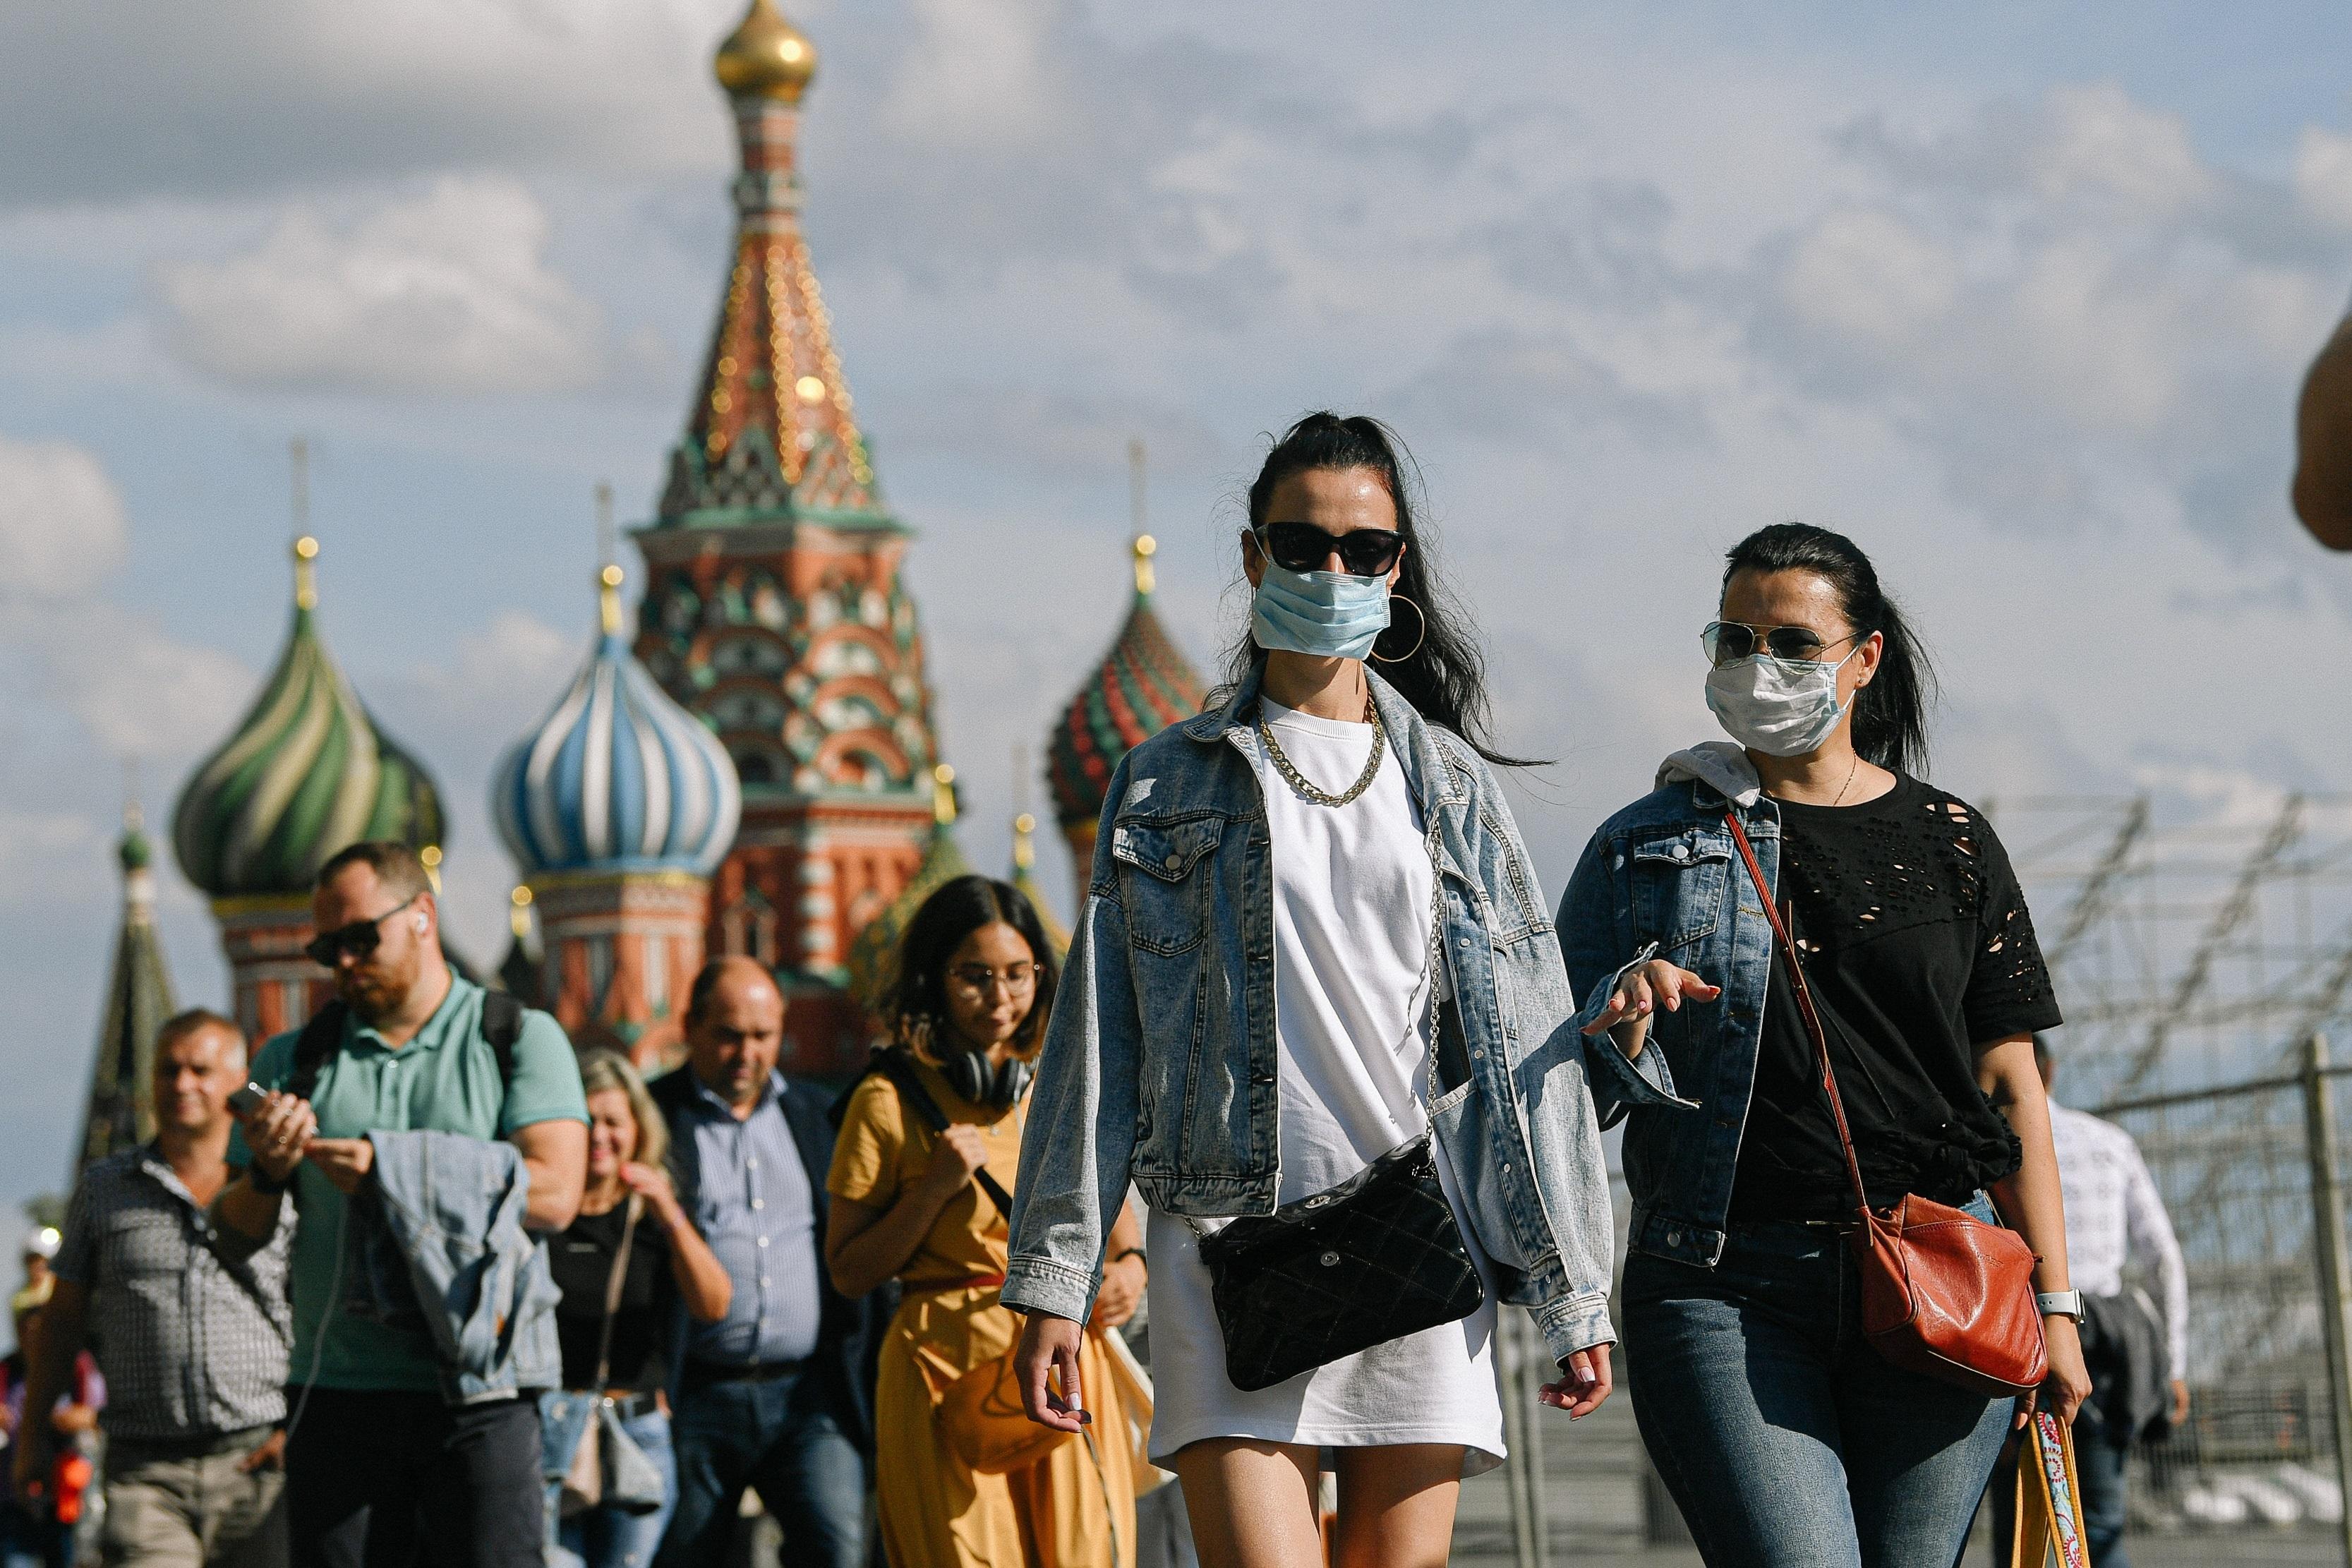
(977, 978)
(1728, 642)
(360, 938)
(1303, 547)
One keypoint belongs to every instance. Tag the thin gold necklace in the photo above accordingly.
(1297, 781)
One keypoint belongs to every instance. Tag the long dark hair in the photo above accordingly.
(1444, 677)
(1890, 714)
(917, 1006)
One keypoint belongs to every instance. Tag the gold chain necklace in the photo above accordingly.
(1297, 780)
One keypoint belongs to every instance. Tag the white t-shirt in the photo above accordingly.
(1352, 890)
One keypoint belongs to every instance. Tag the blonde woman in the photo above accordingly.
(628, 1194)
(922, 1143)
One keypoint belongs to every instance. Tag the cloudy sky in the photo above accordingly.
(2021, 300)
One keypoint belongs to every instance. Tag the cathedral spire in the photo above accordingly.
(773, 429)
(120, 1110)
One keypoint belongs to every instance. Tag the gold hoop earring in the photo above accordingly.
(1380, 658)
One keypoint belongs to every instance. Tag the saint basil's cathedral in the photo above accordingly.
(752, 769)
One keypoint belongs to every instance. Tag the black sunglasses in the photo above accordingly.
(1303, 547)
(1728, 642)
(360, 938)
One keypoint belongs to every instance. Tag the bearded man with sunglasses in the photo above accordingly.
(382, 1465)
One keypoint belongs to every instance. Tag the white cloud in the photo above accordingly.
(135, 689)
(2323, 176)
(61, 526)
(1870, 275)
(447, 292)
(2095, 137)
(131, 687)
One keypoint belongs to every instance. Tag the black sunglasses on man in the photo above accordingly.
(360, 938)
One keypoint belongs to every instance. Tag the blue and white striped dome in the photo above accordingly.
(618, 777)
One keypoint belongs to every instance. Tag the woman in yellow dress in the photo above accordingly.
(975, 984)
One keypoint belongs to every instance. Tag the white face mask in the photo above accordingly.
(1780, 707)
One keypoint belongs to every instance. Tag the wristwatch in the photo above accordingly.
(2060, 1304)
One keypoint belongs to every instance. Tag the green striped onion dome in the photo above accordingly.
(874, 952)
(306, 773)
(1142, 685)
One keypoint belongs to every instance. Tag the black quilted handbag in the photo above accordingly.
(1375, 1259)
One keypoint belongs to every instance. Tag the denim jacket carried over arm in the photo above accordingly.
(446, 1212)
(1159, 1061)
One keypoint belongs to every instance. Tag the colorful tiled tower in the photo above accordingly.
(1142, 685)
(306, 773)
(121, 1110)
(617, 809)
(775, 608)
(874, 955)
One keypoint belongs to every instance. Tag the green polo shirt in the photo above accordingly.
(446, 1079)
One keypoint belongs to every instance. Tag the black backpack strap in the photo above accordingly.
(900, 1070)
(320, 1038)
(502, 1027)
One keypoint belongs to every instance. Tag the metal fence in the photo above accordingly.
(2252, 1174)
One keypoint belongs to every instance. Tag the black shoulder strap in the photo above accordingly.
(502, 1027)
(900, 1070)
(320, 1038)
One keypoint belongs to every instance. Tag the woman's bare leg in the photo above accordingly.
(1396, 1505)
(1254, 1504)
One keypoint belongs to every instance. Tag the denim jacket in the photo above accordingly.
(442, 1238)
(1160, 1062)
(1662, 878)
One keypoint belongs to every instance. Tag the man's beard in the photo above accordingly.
(372, 996)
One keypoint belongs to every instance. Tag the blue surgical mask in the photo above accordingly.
(1780, 707)
(1331, 614)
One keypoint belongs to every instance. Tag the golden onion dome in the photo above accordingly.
(766, 57)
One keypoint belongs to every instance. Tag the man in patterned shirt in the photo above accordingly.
(191, 1325)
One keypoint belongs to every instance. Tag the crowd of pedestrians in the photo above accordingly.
(1320, 1084)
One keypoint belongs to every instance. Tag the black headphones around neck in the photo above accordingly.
(1000, 1084)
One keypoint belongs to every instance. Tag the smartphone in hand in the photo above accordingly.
(247, 1100)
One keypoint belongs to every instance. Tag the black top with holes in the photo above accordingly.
(1918, 948)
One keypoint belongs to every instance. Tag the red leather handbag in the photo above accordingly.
(1942, 1292)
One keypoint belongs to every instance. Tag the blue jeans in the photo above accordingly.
(1787, 1441)
(779, 1435)
(610, 1537)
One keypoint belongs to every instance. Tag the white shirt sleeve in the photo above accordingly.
(2152, 1233)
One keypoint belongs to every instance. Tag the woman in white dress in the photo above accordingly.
(1311, 938)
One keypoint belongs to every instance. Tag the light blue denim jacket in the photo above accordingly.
(446, 1212)
(1662, 878)
(1160, 1062)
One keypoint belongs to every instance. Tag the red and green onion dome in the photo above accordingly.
(874, 952)
(1142, 685)
(307, 773)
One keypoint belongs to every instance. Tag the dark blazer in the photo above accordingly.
(848, 1331)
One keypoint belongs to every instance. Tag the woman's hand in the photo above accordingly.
(1049, 1348)
(1656, 984)
(2068, 1384)
(962, 1150)
(1121, 1292)
(1588, 1383)
(653, 1184)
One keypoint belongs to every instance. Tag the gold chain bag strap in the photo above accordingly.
(1943, 1293)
